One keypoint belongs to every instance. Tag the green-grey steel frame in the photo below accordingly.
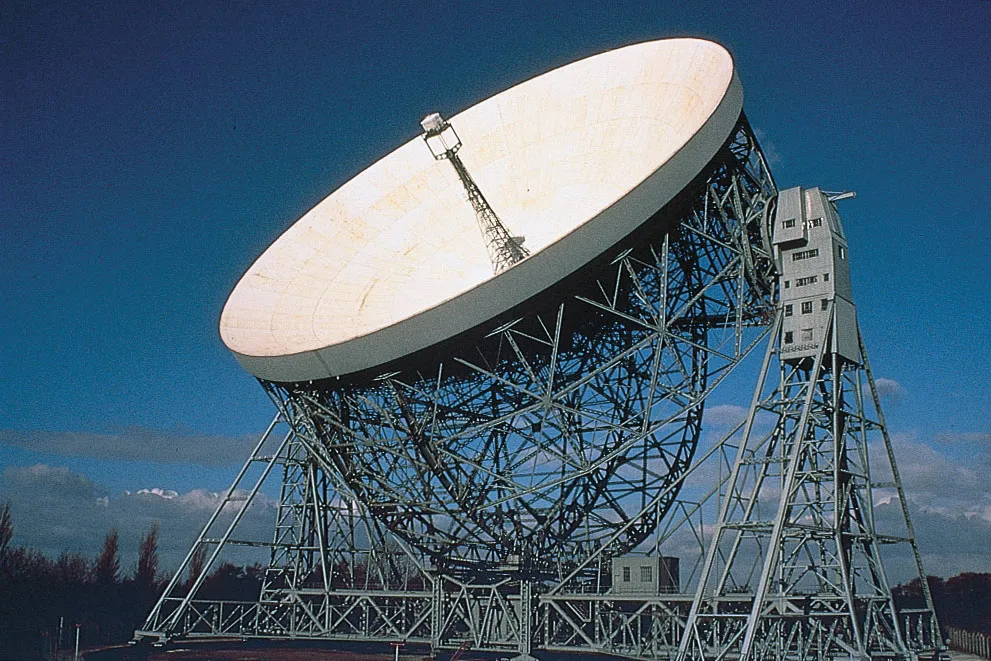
(533, 453)
(475, 497)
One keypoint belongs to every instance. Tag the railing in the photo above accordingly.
(970, 641)
(352, 616)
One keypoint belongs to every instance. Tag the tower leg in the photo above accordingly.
(794, 568)
(172, 615)
(527, 606)
(333, 573)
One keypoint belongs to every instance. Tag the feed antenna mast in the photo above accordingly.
(444, 143)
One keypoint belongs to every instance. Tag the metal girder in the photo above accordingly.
(521, 451)
(443, 503)
(443, 141)
(580, 419)
(475, 501)
(332, 573)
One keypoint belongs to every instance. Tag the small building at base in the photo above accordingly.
(652, 574)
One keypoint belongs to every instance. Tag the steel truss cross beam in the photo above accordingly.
(522, 451)
(504, 250)
(437, 505)
(477, 499)
(333, 572)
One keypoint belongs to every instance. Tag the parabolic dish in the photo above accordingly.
(393, 261)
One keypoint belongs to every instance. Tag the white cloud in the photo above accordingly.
(948, 485)
(937, 482)
(973, 440)
(949, 545)
(890, 389)
(950, 504)
(167, 494)
(723, 416)
(57, 510)
(771, 152)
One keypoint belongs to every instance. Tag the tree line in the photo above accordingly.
(37, 592)
(963, 602)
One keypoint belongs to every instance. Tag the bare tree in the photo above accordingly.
(196, 564)
(72, 568)
(107, 568)
(6, 531)
(147, 569)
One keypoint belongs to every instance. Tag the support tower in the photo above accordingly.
(796, 566)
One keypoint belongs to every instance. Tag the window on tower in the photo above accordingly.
(788, 337)
(806, 307)
(788, 310)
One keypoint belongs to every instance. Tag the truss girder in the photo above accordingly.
(473, 502)
(533, 445)
(466, 501)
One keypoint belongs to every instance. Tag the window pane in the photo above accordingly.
(804, 254)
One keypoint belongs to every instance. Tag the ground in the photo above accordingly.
(302, 652)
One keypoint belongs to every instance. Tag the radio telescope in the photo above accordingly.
(522, 416)
(492, 351)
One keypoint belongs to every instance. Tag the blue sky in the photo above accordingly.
(150, 151)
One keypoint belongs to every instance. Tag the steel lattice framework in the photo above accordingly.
(474, 496)
(504, 250)
(527, 447)
(540, 448)
(795, 568)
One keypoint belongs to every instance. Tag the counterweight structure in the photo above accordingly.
(538, 481)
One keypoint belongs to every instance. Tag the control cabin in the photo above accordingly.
(813, 262)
